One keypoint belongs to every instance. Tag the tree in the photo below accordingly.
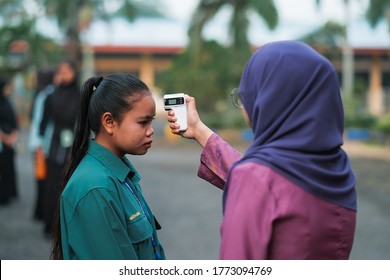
(239, 22)
(208, 81)
(41, 52)
(204, 66)
(73, 17)
(377, 10)
(19, 27)
(326, 39)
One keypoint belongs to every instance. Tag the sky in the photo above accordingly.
(296, 18)
(304, 11)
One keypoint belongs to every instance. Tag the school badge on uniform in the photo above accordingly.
(132, 217)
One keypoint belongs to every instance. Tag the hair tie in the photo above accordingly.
(97, 83)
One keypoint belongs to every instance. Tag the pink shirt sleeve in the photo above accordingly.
(216, 159)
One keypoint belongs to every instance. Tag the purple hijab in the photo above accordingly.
(292, 97)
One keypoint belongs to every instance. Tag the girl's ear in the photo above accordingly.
(108, 123)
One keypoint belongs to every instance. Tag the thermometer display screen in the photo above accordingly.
(174, 101)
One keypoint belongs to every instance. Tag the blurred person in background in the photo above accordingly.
(292, 194)
(58, 121)
(45, 86)
(9, 134)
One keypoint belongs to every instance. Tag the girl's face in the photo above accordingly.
(134, 134)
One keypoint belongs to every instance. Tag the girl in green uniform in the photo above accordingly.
(102, 212)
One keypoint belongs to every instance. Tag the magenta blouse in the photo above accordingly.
(268, 217)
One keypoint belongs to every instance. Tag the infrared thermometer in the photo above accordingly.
(177, 103)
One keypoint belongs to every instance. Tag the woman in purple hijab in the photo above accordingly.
(292, 194)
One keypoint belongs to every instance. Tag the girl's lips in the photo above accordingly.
(149, 143)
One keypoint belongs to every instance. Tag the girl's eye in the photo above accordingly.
(145, 123)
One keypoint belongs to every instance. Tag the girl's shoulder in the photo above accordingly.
(90, 168)
(90, 174)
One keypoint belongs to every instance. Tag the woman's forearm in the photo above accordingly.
(202, 134)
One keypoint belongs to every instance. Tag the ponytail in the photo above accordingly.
(82, 135)
(83, 127)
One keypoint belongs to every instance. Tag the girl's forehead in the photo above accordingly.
(145, 105)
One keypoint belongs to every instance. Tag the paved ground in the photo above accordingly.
(190, 209)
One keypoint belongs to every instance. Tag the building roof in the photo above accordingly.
(363, 36)
(149, 32)
(168, 35)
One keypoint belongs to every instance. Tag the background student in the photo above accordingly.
(56, 129)
(9, 135)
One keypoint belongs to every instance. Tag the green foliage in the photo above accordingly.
(384, 124)
(12, 8)
(230, 118)
(41, 52)
(331, 35)
(360, 87)
(377, 10)
(266, 9)
(356, 116)
(360, 121)
(209, 78)
(73, 17)
(148, 8)
(238, 23)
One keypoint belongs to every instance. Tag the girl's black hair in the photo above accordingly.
(116, 94)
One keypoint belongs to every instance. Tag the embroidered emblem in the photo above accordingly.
(132, 217)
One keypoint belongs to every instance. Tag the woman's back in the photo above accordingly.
(282, 220)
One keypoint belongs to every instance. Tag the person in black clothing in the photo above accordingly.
(45, 87)
(9, 133)
(58, 122)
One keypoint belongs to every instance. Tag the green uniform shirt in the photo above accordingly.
(100, 217)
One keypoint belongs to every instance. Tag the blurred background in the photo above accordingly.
(199, 47)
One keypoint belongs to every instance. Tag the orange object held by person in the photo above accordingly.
(40, 165)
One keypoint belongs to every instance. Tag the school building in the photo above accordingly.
(372, 65)
(146, 47)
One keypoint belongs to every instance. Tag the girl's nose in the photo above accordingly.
(150, 131)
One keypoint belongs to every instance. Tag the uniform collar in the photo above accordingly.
(120, 168)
